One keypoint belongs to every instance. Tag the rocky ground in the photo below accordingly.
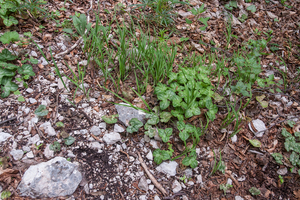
(104, 162)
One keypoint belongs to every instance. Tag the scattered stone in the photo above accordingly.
(48, 129)
(190, 183)
(43, 61)
(29, 90)
(102, 125)
(185, 197)
(17, 154)
(33, 54)
(96, 145)
(229, 181)
(184, 14)
(238, 198)
(30, 154)
(118, 128)
(127, 113)
(143, 197)
(143, 185)
(282, 171)
(188, 172)
(60, 84)
(149, 155)
(83, 131)
(156, 197)
(4, 136)
(234, 139)
(48, 153)
(70, 154)
(168, 168)
(54, 178)
(258, 127)
(95, 130)
(154, 144)
(271, 15)
(176, 186)
(112, 138)
(84, 63)
(32, 100)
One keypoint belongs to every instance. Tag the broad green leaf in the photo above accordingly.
(252, 8)
(160, 155)
(7, 88)
(164, 104)
(221, 167)
(8, 37)
(190, 161)
(134, 125)
(112, 119)
(291, 123)
(165, 116)
(254, 191)
(180, 125)
(188, 21)
(176, 100)
(33, 61)
(290, 143)
(21, 99)
(6, 55)
(285, 133)
(8, 21)
(297, 134)
(294, 158)
(55, 146)
(160, 88)
(68, 30)
(69, 140)
(80, 23)
(5, 72)
(255, 143)
(218, 98)
(59, 124)
(278, 158)
(41, 111)
(5, 194)
(178, 114)
(150, 132)
(26, 70)
(153, 119)
(184, 135)
(9, 66)
(264, 104)
(165, 134)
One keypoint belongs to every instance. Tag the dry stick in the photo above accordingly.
(154, 181)
(7, 120)
(80, 39)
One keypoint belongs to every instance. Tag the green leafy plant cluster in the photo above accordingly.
(162, 10)
(187, 91)
(225, 187)
(291, 144)
(8, 71)
(9, 7)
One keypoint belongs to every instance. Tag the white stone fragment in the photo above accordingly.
(176, 186)
(259, 126)
(168, 168)
(112, 138)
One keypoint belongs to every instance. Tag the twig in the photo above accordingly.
(38, 130)
(56, 113)
(154, 181)
(80, 39)
(176, 194)
(7, 120)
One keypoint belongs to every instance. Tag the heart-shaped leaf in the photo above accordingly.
(112, 119)
(165, 116)
(255, 143)
(69, 140)
(134, 125)
(6, 55)
(41, 111)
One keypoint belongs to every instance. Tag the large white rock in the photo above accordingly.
(168, 168)
(57, 177)
(112, 138)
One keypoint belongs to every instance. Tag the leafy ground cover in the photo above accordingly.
(202, 71)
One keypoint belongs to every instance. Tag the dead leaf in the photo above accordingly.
(297, 194)
(78, 99)
(149, 89)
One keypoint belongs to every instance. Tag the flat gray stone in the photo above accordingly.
(4, 136)
(95, 130)
(127, 113)
(48, 129)
(54, 178)
(112, 138)
(118, 128)
(17, 154)
(176, 186)
(143, 185)
(168, 168)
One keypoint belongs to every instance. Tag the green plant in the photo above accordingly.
(112, 119)
(281, 179)
(229, 34)
(41, 111)
(220, 166)
(38, 146)
(5, 194)
(252, 8)
(231, 5)
(9, 37)
(243, 18)
(162, 10)
(55, 146)
(278, 158)
(134, 125)
(161, 155)
(184, 179)
(254, 191)
(225, 187)
(188, 91)
(204, 21)
(59, 124)
(291, 144)
(69, 140)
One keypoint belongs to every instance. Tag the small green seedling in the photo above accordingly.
(134, 125)
(161, 155)
(254, 191)
(225, 187)
(112, 119)
(55, 146)
(59, 124)
(278, 158)
(69, 140)
(255, 143)
(38, 146)
(281, 179)
(5, 194)
(41, 111)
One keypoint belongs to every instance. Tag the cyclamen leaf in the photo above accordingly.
(6, 55)
(285, 133)
(190, 161)
(41, 111)
(26, 70)
(184, 135)
(153, 119)
(8, 37)
(164, 104)
(134, 125)
(8, 21)
(176, 101)
(160, 155)
(69, 140)
(9, 87)
(254, 191)
(294, 158)
(110, 119)
(165, 116)
(9, 66)
(278, 158)
(165, 134)
(252, 8)
(178, 114)
(255, 143)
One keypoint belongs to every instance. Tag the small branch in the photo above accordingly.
(154, 181)
(7, 120)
